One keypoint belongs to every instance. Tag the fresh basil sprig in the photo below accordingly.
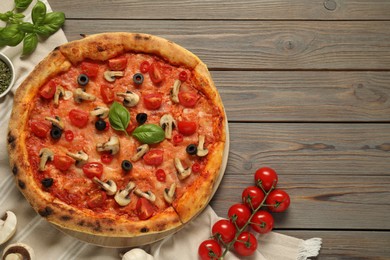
(16, 30)
(149, 134)
(119, 117)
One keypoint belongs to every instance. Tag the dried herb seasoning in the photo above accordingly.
(5, 76)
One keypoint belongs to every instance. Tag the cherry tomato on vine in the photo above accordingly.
(252, 197)
(267, 177)
(262, 222)
(239, 214)
(209, 250)
(246, 244)
(278, 200)
(224, 230)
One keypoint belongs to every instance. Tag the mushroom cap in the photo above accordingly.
(23, 250)
(7, 226)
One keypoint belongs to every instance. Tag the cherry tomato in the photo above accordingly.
(154, 157)
(48, 90)
(182, 76)
(90, 69)
(78, 117)
(262, 222)
(40, 129)
(160, 175)
(93, 169)
(224, 230)
(119, 63)
(144, 208)
(106, 158)
(144, 67)
(246, 244)
(186, 127)
(96, 199)
(69, 136)
(107, 94)
(178, 138)
(195, 167)
(252, 197)
(239, 214)
(266, 177)
(107, 126)
(63, 163)
(209, 250)
(131, 126)
(152, 101)
(155, 73)
(278, 200)
(188, 99)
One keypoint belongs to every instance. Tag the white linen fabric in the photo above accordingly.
(50, 243)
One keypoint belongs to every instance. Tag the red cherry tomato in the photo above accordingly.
(155, 73)
(154, 157)
(152, 101)
(106, 158)
(48, 90)
(40, 129)
(223, 230)
(182, 76)
(239, 214)
(63, 163)
(160, 175)
(252, 197)
(69, 136)
(246, 244)
(78, 117)
(119, 63)
(177, 138)
(196, 167)
(144, 67)
(107, 126)
(188, 99)
(90, 69)
(93, 169)
(278, 200)
(266, 177)
(107, 94)
(209, 250)
(144, 209)
(186, 127)
(262, 222)
(131, 126)
(96, 199)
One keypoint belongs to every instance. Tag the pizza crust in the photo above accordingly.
(101, 47)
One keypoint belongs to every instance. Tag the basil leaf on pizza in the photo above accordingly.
(119, 117)
(149, 134)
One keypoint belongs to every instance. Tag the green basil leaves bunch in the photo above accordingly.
(16, 30)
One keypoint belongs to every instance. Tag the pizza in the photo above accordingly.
(117, 135)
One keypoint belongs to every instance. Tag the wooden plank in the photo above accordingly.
(347, 245)
(304, 95)
(311, 149)
(220, 9)
(318, 201)
(265, 45)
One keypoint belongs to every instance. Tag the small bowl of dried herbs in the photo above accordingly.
(7, 75)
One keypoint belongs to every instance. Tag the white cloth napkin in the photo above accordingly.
(49, 243)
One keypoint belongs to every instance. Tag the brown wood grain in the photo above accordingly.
(329, 202)
(220, 9)
(276, 96)
(265, 45)
(349, 245)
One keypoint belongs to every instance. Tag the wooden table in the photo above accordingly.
(306, 87)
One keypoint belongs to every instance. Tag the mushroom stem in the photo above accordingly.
(112, 145)
(109, 186)
(200, 149)
(141, 150)
(175, 91)
(182, 173)
(80, 95)
(45, 154)
(122, 196)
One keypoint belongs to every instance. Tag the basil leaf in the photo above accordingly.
(38, 13)
(11, 35)
(52, 23)
(149, 134)
(21, 5)
(26, 27)
(119, 117)
(30, 43)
